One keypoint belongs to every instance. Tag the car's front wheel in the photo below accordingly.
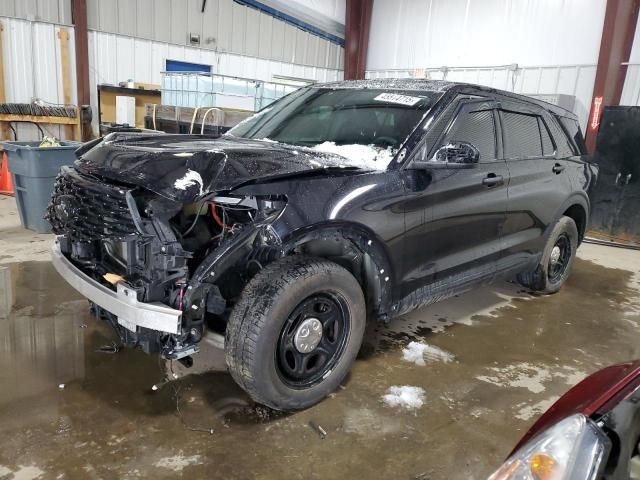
(556, 261)
(295, 332)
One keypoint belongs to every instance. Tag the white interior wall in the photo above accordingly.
(554, 43)
(115, 58)
(433, 33)
(631, 90)
(31, 52)
(225, 26)
(32, 68)
(334, 9)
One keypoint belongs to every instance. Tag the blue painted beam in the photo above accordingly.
(285, 17)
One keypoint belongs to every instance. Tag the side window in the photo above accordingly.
(571, 127)
(547, 145)
(521, 135)
(476, 127)
(435, 129)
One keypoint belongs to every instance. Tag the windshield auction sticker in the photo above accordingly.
(396, 98)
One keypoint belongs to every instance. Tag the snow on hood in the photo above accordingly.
(364, 156)
(189, 178)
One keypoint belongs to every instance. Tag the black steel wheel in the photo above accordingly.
(559, 258)
(556, 260)
(312, 339)
(295, 332)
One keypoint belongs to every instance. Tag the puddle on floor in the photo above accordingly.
(66, 409)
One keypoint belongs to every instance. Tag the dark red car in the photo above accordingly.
(591, 432)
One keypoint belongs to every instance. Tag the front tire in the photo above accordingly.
(557, 259)
(295, 332)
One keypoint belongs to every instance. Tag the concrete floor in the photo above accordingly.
(70, 410)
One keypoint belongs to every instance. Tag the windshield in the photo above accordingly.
(342, 120)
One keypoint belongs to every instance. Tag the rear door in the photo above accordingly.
(539, 182)
(464, 208)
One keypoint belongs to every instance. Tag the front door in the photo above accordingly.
(458, 242)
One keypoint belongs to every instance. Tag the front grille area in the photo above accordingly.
(85, 209)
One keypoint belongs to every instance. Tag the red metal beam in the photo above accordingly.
(618, 31)
(356, 38)
(79, 18)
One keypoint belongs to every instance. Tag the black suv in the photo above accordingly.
(339, 202)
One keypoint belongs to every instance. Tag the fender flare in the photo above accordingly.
(366, 242)
(577, 198)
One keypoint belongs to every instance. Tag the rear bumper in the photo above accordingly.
(123, 304)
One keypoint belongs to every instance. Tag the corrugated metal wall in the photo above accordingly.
(115, 58)
(51, 11)
(631, 90)
(432, 33)
(555, 43)
(225, 26)
(31, 52)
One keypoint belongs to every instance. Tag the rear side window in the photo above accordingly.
(565, 146)
(521, 135)
(477, 128)
(572, 129)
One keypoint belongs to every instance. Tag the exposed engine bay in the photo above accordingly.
(117, 233)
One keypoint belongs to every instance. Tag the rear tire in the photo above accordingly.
(295, 332)
(557, 259)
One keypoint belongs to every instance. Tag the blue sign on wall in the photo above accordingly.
(178, 66)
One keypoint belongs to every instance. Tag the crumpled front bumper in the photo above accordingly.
(123, 303)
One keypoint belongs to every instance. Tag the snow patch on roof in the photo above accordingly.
(405, 397)
(364, 156)
(392, 84)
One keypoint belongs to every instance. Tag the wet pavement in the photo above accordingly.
(71, 410)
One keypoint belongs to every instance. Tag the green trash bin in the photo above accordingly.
(34, 171)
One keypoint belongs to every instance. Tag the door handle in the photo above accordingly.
(491, 180)
(557, 168)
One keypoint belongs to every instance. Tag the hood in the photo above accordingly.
(185, 167)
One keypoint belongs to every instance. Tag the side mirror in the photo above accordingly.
(457, 153)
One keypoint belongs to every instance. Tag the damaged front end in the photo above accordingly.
(157, 269)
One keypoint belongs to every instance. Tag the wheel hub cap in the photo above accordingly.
(555, 255)
(308, 335)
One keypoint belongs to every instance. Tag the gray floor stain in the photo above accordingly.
(515, 353)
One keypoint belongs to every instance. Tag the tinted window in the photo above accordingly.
(573, 130)
(477, 128)
(521, 135)
(547, 146)
(346, 116)
(565, 147)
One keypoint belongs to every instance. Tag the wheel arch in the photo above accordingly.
(577, 208)
(579, 215)
(359, 250)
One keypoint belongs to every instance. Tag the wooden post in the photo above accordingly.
(79, 16)
(63, 35)
(4, 126)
